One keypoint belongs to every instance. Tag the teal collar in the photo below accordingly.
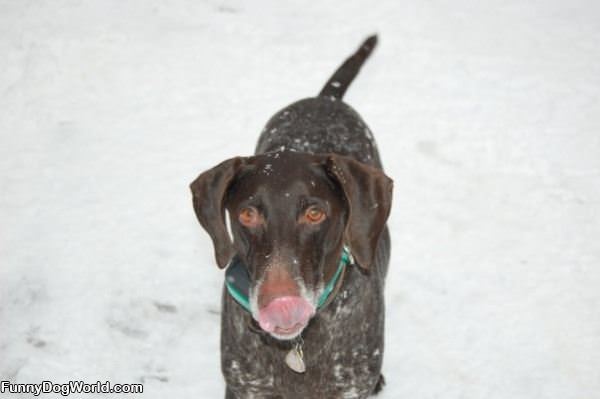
(237, 280)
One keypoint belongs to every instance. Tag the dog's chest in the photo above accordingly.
(343, 352)
(339, 374)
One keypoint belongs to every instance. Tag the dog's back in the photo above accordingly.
(325, 124)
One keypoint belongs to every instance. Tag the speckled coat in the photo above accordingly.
(343, 343)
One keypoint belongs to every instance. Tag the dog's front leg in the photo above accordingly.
(229, 394)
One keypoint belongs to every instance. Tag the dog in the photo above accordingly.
(307, 251)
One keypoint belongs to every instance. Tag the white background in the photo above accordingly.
(487, 116)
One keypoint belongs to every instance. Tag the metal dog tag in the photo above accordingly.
(295, 359)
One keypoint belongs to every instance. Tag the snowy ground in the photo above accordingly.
(488, 118)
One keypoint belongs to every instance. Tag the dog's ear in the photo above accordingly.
(209, 191)
(368, 193)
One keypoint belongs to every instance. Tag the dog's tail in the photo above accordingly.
(337, 85)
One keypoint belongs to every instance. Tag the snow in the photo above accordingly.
(486, 115)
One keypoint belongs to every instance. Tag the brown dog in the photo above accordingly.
(303, 308)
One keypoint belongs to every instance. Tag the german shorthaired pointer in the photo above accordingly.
(303, 303)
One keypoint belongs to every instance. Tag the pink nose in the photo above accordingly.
(285, 315)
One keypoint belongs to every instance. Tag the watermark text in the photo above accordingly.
(69, 388)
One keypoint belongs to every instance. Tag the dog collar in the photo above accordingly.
(237, 280)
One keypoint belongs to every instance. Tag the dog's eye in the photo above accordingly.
(249, 217)
(314, 215)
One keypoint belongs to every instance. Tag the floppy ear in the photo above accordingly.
(208, 192)
(368, 194)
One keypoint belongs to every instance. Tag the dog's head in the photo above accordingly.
(290, 215)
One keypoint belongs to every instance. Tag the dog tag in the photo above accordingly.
(295, 359)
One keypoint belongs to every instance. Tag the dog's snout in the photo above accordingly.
(277, 283)
(282, 310)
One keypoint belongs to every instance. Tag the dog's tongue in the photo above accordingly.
(285, 313)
